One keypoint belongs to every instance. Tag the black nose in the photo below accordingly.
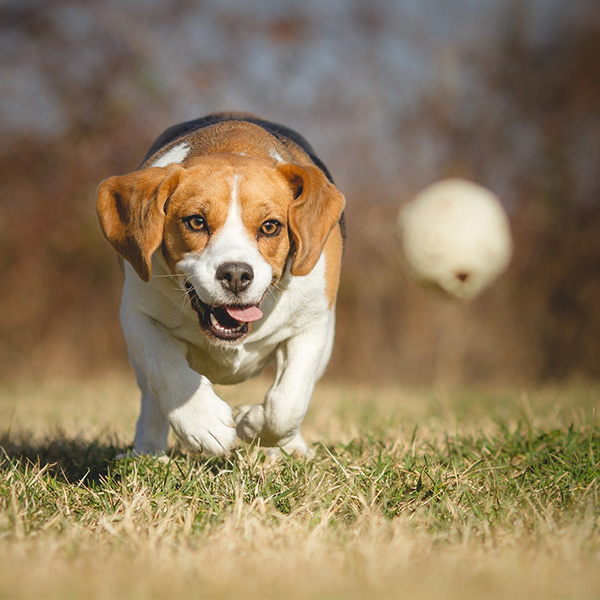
(235, 276)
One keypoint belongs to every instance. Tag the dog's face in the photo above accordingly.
(227, 225)
(226, 232)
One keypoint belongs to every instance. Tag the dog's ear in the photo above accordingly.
(131, 212)
(316, 209)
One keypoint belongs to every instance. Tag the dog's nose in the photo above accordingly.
(235, 276)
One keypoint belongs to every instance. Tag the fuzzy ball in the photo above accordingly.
(456, 237)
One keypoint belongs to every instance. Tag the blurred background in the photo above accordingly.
(391, 94)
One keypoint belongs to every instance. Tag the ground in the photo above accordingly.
(411, 493)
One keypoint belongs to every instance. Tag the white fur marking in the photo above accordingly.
(176, 154)
(274, 154)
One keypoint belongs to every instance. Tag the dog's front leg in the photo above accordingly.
(187, 400)
(152, 429)
(301, 360)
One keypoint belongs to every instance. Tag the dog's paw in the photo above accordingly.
(296, 447)
(249, 421)
(250, 426)
(205, 426)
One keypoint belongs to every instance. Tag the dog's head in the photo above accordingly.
(228, 225)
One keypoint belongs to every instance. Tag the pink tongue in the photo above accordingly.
(244, 314)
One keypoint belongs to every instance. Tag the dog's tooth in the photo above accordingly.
(218, 327)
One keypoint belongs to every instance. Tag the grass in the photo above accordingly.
(410, 494)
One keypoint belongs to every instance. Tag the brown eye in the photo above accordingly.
(195, 223)
(270, 228)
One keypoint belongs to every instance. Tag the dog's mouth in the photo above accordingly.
(228, 323)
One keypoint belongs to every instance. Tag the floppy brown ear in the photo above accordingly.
(131, 213)
(315, 211)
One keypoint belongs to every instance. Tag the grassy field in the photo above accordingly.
(410, 494)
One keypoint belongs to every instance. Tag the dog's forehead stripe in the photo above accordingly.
(233, 234)
(234, 214)
(242, 211)
(177, 154)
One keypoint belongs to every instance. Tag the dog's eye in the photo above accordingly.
(195, 223)
(270, 228)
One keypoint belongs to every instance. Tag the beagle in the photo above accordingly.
(232, 232)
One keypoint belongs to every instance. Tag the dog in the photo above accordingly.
(232, 235)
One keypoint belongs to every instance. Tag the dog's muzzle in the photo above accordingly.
(227, 322)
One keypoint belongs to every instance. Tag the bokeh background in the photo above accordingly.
(391, 94)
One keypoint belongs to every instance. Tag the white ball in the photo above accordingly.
(456, 237)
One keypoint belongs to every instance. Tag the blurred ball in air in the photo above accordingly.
(456, 237)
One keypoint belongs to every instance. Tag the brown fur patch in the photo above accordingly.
(204, 190)
(334, 251)
(264, 195)
(130, 211)
(314, 213)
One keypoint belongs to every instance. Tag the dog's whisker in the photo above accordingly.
(274, 288)
(178, 289)
(187, 281)
(186, 300)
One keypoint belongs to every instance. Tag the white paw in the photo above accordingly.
(204, 425)
(296, 447)
(249, 420)
(250, 426)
